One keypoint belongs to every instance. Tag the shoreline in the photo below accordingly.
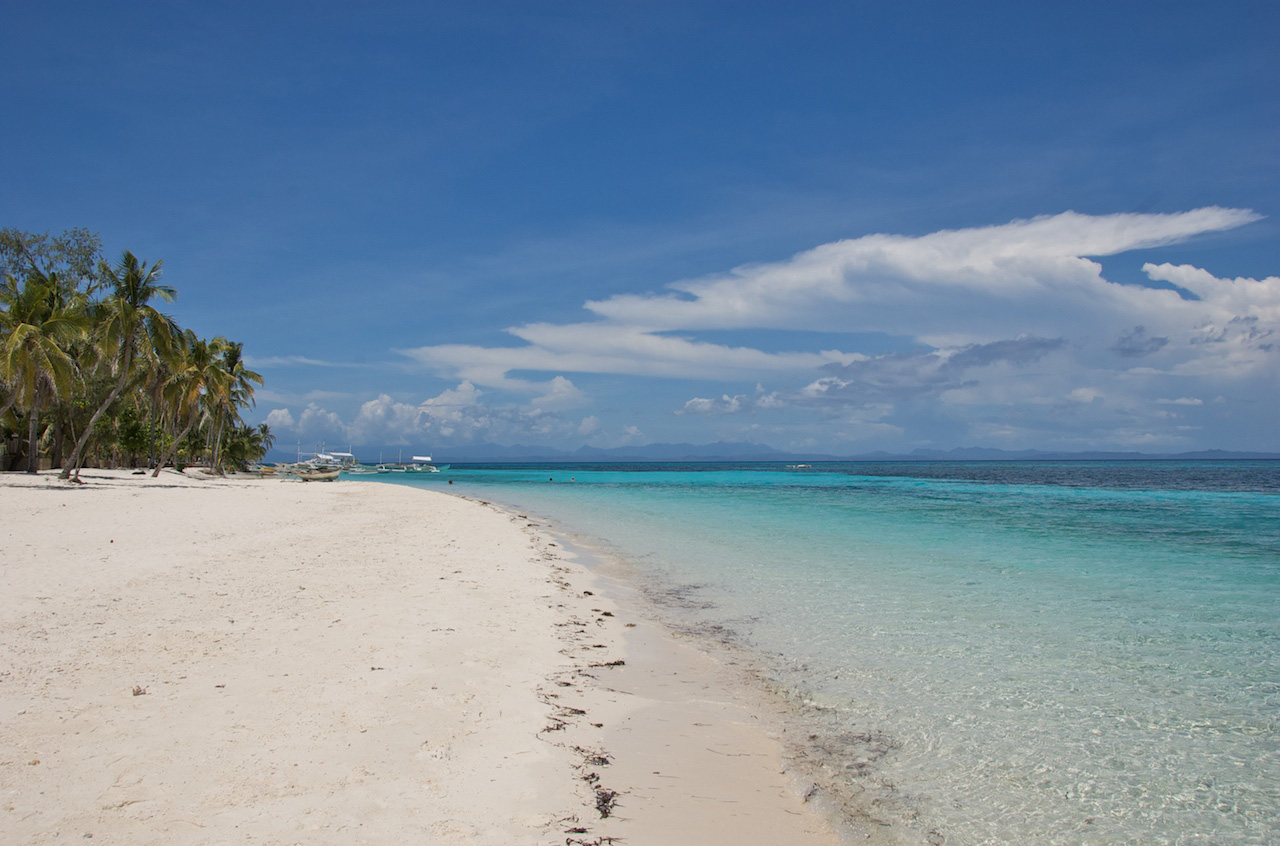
(730, 680)
(229, 667)
(694, 734)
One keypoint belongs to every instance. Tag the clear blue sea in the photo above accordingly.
(1039, 652)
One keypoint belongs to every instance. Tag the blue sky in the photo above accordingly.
(835, 227)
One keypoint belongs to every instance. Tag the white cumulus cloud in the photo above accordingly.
(280, 418)
(949, 289)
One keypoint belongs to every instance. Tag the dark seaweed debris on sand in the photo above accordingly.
(580, 645)
(605, 800)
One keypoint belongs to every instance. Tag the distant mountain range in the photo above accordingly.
(985, 454)
(736, 451)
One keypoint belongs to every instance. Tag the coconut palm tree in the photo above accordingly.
(157, 369)
(124, 322)
(266, 438)
(236, 392)
(196, 374)
(36, 368)
(243, 445)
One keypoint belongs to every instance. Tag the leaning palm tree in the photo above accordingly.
(125, 321)
(35, 365)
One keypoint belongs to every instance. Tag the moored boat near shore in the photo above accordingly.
(317, 474)
(417, 464)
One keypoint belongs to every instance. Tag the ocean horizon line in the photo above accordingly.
(723, 452)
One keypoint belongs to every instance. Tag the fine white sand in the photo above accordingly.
(200, 660)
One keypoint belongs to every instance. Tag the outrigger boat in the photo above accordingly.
(341, 460)
(421, 464)
(317, 474)
(322, 466)
(418, 464)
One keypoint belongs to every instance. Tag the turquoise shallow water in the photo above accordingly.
(997, 652)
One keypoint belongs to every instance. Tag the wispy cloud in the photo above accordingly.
(300, 361)
(608, 348)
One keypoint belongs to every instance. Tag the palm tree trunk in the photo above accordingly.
(33, 448)
(217, 446)
(56, 454)
(155, 421)
(173, 448)
(77, 454)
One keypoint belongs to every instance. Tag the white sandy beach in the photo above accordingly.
(198, 660)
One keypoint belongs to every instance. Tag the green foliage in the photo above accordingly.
(73, 256)
(86, 355)
(129, 436)
(38, 330)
